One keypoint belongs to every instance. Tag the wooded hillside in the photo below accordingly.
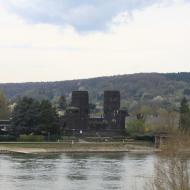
(142, 87)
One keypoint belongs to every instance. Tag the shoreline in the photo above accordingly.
(41, 148)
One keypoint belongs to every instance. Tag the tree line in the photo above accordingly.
(31, 116)
(41, 117)
(134, 88)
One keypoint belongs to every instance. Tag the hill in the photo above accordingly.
(140, 87)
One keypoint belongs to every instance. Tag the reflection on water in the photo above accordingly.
(75, 171)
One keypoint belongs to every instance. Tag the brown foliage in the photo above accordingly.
(172, 168)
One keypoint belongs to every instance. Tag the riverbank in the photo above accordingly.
(66, 147)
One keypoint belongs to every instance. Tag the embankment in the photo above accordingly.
(46, 147)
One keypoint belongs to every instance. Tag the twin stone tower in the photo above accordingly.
(77, 120)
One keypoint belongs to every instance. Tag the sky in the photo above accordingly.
(55, 40)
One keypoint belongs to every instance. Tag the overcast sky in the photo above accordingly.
(48, 40)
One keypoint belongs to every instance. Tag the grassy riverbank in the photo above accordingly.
(47, 147)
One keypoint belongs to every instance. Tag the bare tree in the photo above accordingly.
(172, 168)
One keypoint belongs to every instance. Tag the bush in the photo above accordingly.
(147, 137)
(7, 138)
(172, 168)
(136, 126)
(52, 138)
(31, 138)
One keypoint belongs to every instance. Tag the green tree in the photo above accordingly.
(25, 116)
(30, 116)
(48, 118)
(4, 110)
(184, 115)
(136, 127)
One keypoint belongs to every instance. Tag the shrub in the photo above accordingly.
(136, 126)
(7, 138)
(31, 138)
(172, 168)
(52, 138)
(145, 137)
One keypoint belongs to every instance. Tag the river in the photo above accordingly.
(122, 171)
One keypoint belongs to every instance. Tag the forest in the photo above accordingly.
(167, 90)
(155, 102)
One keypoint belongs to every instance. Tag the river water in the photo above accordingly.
(123, 171)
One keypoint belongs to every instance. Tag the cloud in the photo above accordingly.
(155, 39)
(83, 15)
